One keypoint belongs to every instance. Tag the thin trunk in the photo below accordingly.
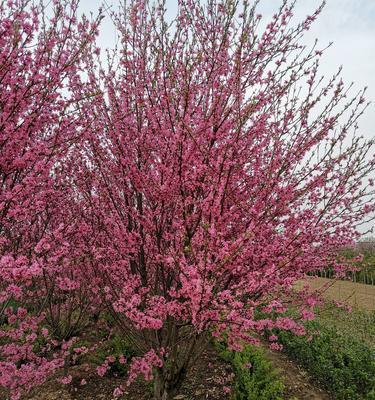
(165, 387)
(160, 390)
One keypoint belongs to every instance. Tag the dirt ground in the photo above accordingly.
(299, 386)
(354, 294)
(206, 381)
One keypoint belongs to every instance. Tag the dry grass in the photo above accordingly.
(357, 295)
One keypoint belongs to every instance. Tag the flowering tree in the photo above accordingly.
(208, 167)
(40, 61)
(220, 168)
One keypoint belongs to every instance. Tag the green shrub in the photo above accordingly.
(340, 363)
(255, 378)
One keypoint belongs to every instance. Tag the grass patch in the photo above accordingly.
(357, 324)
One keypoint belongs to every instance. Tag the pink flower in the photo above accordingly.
(31, 338)
(122, 360)
(276, 346)
(307, 315)
(119, 391)
(21, 312)
(110, 359)
(45, 332)
(66, 379)
(102, 369)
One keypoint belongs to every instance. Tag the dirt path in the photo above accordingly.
(354, 294)
(298, 383)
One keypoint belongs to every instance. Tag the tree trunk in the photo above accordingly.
(160, 389)
(168, 379)
(165, 387)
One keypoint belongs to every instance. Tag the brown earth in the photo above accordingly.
(298, 384)
(356, 295)
(206, 381)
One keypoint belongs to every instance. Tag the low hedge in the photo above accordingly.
(255, 378)
(341, 364)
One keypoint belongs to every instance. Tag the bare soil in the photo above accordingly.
(205, 382)
(298, 383)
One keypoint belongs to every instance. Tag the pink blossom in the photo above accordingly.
(276, 346)
(102, 369)
(122, 360)
(118, 392)
(66, 379)
(307, 315)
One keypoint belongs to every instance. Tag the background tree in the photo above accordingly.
(40, 63)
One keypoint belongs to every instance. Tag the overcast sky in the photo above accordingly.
(349, 24)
